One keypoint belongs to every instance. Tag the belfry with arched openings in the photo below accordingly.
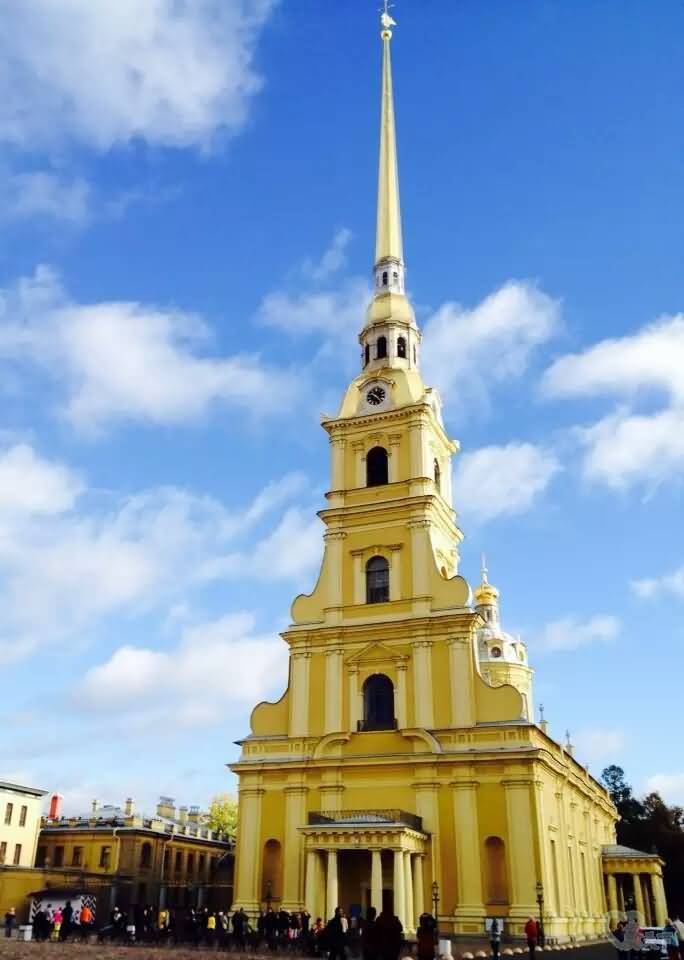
(404, 752)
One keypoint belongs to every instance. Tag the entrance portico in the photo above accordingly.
(365, 858)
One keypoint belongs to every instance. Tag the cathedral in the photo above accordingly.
(403, 767)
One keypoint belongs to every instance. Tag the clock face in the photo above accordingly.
(375, 396)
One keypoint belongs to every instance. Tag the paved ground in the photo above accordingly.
(13, 950)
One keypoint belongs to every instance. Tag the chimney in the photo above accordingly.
(128, 808)
(94, 806)
(183, 815)
(166, 808)
(194, 815)
(55, 810)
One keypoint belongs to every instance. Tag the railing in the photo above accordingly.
(351, 818)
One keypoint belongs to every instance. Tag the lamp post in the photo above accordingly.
(540, 903)
(435, 908)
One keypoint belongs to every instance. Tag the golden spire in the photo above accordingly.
(388, 245)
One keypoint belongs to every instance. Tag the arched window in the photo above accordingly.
(376, 467)
(401, 347)
(377, 580)
(384, 278)
(146, 855)
(378, 703)
(381, 350)
(271, 873)
(366, 355)
(495, 870)
(438, 477)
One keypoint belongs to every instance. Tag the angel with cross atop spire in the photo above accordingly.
(386, 20)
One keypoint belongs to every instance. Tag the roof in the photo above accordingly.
(618, 850)
(33, 791)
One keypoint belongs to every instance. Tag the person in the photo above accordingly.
(679, 927)
(210, 934)
(57, 923)
(271, 928)
(671, 940)
(495, 937)
(336, 936)
(85, 919)
(10, 918)
(425, 936)
(67, 921)
(390, 935)
(239, 924)
(369, 935)
(531, 932)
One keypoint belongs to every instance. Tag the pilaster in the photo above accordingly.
(469, 902)
(333, 690)
(299, 693)
(248, 866)
(295, 817)
(422, 684)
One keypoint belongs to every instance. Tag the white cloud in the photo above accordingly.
(130, 361)
(63, 570)
(329, 313)
(623, 449)
(332, 260)
(44, 194)
(494, 481)
(653, 358)
(171, 72)
(466, 352)
(670, 583)
(187, 686)
(31, 485)
(670, 786)
(628, 447)
(598, 746)
(571, 633)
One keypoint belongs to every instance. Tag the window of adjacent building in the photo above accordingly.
(190, 866)
(167, 861)
(377, 467)
(377, 580)
(381, 348)
(3, 851)
(401, 347)
(9, 809)
(41, 856)
(178, 866)
(105, 857)
(495, 870)
(23, 813)
(384, 278)
(378, 703)
(59, 857)
(201, 863)
(17, 854)
(366, 355)
(77, 857)
(438, 477)
(146, 855)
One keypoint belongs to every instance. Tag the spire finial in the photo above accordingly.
(388, 243)
(541, 712)
(483, 568)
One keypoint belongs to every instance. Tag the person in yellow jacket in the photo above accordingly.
(211, 929)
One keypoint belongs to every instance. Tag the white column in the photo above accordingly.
(333, 691)
(313, 877)
(359, 579)
(400, 700)
(612, 897)
(659, 897)
(376, 879)
(420, 536)
(337, 463)
(408, 893)
(354, 698)
(395, 573)
(299, 693)
(399, 895)
(422, 683)
(418, 896)
(331, 895)
(639, 899)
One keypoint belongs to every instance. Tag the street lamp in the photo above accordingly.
(540, 903)
(435, 908)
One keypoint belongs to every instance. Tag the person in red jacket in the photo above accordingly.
(532, 934)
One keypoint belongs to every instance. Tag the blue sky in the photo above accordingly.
(186, 238)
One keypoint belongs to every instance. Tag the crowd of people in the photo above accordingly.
(375, 937)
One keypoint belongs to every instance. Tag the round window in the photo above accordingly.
(496, 651)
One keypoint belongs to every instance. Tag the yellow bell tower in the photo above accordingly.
(391, 763)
